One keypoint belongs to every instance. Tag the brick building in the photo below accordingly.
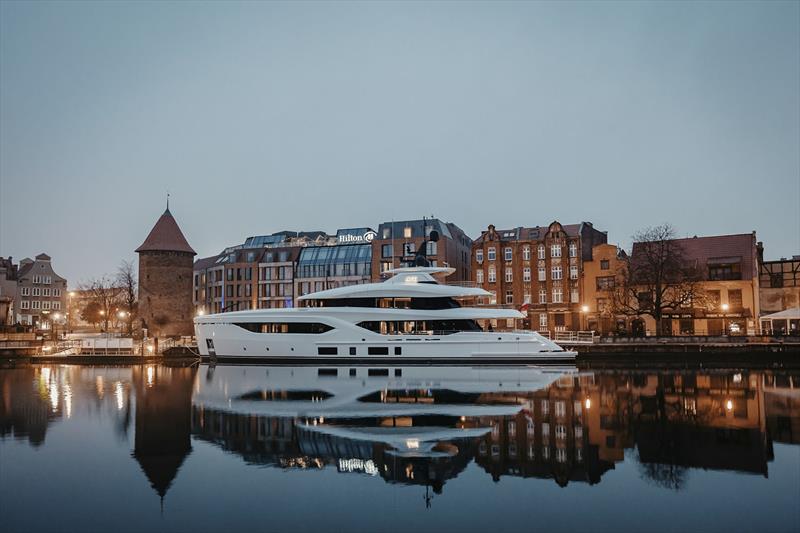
(540, 268)
(396, 244)
(165, 280)
(729, 288)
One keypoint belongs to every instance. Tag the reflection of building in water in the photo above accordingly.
(549, 438)
(22, 414)
(782, 407)
(34, 396)
(163, 421)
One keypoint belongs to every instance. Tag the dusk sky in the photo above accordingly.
(259, 117)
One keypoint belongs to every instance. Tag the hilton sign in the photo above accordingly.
(357, 236)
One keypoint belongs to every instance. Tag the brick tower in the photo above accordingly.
(165, 280)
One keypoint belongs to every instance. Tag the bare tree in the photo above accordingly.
(658, 277)
(126, 282)
(105, 293)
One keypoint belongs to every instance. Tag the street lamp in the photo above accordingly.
(71, 295)
(584, 313)
(121, 315)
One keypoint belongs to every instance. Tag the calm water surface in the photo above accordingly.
(134, 448)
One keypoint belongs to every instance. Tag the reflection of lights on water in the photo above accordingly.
(98, 383)
(588, 403)
(412, 444)
(151, 376)
(68, 400)
(729, 405)
(118, 393)
(46, 374)
(54, 396)
(737, 378)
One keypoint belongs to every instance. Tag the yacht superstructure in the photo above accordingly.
(410, 317)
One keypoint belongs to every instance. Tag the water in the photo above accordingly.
(88, 448)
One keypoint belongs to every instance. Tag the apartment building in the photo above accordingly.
(538, 270)
(41, 294)
(396, 243)
(601, 275)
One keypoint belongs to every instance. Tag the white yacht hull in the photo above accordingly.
(349, 343)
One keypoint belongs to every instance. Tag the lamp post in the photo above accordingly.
(56, 316)
(584, 313)
(725, 308)
(121, 315)
(70, 310)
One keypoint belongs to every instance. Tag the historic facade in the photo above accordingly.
(778, 283)
(537, 270)
(165, 280)
(41, 296)
(600, 278)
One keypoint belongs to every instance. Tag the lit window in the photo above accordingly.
(573, 272)
(407, 232)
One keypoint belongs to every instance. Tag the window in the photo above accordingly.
(409, 248)
(36, 304)
(479, 256)
(558, 295)
(542, 274)
(556, 272)
(573, 249)
(492, 274)
(431, 248)
(561, 409)
(545, 411)
(573, 272)
(387, 233)
(25, 304)
(540, 251)
(559, 319)
(604, 265)
(327, 350)
(543, 321)
(561, 455)
(509, 297)
(37, 291)
(491, 254)
(735, 298)
(561, 432)
(730, 268)
(56, 292)
(555, 250)
(378, 350)
(576, 408)
(526, 274)
(387, 250)
(284, 327)
(574, 297)
(492, 297)
(530, 427)
(509, 275)
(526, 253)
(25, 291)
(714, 299)
(542, 296)
(546, 451)
(512, 428)
(604, 283)
(407, 232)
(479, 276)
(508, 254)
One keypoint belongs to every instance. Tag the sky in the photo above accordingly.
(263, 116)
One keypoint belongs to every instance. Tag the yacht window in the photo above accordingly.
(285, 327)
(327, 350)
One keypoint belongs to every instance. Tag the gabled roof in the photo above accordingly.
(166, 236)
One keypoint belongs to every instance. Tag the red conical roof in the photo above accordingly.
(166, 236)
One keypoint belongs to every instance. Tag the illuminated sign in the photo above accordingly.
(355, 236)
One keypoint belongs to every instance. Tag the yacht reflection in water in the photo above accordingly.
(424, 425)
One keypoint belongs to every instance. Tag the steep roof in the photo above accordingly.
(166, 236)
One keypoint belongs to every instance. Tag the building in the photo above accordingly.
(165, 280)
(41, 298)
(600, 277)
(539, 268)
(8, 290)
(728, 295)
(778, 283)
(395, 245)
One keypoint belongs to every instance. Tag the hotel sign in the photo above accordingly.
(355, 236)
